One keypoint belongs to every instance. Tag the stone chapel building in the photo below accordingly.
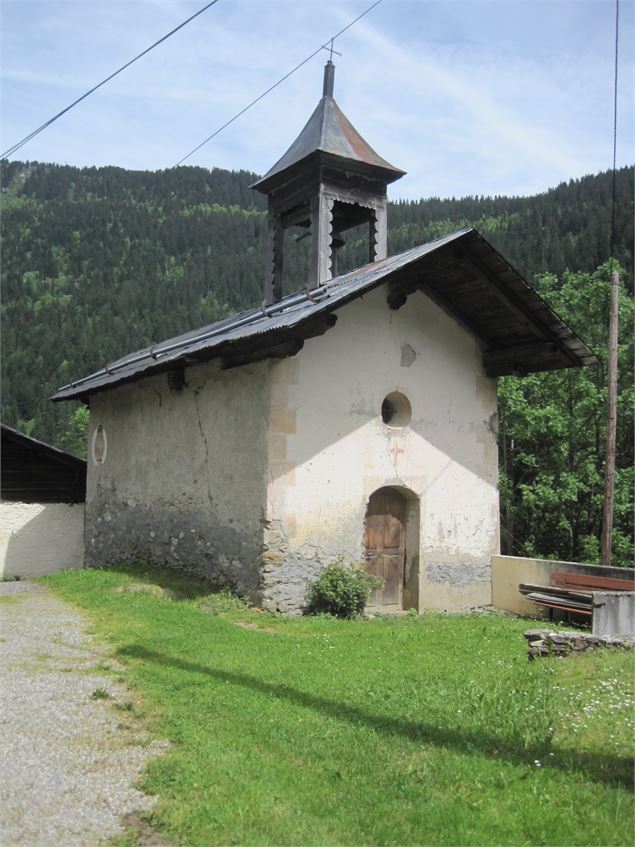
(354, 418)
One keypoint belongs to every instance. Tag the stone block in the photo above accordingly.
(271, 557)
(283, 469)
(286, 371)
(279, 395)
(283, 421)
(277, 447)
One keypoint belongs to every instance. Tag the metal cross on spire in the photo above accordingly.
(331, 50)
(329, 70)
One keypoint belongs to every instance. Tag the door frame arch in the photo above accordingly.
(412, 542)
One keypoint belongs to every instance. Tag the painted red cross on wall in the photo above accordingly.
(395, 451)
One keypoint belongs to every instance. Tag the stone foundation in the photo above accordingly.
(189, 540)
(543, 642)
(284, 575)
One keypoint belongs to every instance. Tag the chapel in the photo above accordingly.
(352, 419)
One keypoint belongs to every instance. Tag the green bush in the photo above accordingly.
(341, 591)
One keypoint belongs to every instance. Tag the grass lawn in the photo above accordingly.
(416, 730)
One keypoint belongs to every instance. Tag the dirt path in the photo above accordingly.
(68, 754)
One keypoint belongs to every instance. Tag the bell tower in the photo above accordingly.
(328, 181)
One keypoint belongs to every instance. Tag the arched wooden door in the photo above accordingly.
(386, 547)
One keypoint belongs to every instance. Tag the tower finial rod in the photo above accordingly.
(329, 70)
(329, 79)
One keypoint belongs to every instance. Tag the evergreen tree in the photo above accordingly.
(98, 262)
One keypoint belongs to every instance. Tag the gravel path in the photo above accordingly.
(67, 761)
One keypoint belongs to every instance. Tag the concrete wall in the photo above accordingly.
(183, 480)
(509, 571)
(613, 613)
(330, 450)
(40, 538)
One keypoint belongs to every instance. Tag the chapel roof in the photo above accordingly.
(461, 272)
(328, 131)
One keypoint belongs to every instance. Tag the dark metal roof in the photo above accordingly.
(461, 272)
(35, 472)
(328, 130)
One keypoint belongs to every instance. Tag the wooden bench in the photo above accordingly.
(572, 592)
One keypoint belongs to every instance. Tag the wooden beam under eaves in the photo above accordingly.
(525, 358)
(246, 356)
(534, 351)
(514, 303)
(287, 343)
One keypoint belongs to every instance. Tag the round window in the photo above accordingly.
(99, 445)
(396, 410)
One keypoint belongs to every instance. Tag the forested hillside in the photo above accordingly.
(97, 262)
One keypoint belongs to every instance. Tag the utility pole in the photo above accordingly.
(611, 419)
(611, 424)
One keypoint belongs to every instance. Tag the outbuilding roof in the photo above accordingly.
(461, 272)
(35, 472)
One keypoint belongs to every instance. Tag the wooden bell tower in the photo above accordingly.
(328, 181)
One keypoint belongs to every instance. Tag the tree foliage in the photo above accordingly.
(98, 262)
(74, 438)
(552, 436)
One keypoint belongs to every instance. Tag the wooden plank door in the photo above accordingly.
(386, 547)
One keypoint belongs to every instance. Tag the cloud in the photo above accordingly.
(492, 125)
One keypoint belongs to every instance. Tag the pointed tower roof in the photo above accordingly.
(329, 132)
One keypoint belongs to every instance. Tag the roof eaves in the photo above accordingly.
(579, 355)
(299, 309)
(47, 449)
(290, 312)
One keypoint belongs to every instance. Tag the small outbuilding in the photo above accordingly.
(354, 418)
(42, 495)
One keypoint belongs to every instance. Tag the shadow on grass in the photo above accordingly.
(612, 770)
(183, 585)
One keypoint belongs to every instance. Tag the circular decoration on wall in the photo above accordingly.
(396, 410)
(99, 446)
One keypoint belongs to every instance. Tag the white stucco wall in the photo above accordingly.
(260, 475)
(183, 481)
(330, 450)
(40, 538)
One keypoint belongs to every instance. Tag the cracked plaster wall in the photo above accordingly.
(329, 450)
(183, 482)
(259, 476)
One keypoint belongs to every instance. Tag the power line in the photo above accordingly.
(37, 131)
(276, 84)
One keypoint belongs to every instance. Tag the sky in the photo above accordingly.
(470, 97)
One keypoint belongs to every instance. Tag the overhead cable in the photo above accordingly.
(46, 124)
(279, 82)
